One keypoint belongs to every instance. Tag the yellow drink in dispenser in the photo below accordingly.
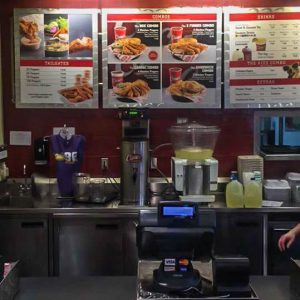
(194, 153)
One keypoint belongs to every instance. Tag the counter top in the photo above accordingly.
(29, 204)
(55, 206)
(116, 288)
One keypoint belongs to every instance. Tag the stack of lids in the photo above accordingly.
(250, 163)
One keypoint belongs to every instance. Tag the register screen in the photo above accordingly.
(178, 211)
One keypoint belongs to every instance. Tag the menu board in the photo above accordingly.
(168, 58)
(56, 58)
(262, 57)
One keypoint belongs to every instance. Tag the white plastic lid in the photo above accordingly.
(293, 176)
(276, 184)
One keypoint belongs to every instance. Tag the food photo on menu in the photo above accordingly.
(56, 33)
(81, 36)
(31, 35)
(137, 41)
(189, 42)
(188, 84)
(134, 84)
(81, 92)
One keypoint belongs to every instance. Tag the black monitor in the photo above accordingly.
(176, 229)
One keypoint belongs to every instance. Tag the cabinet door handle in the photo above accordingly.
(107, 226)
(282, 229)
(32, 224)
(247, 224)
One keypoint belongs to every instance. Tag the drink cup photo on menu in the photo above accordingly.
(260, 43)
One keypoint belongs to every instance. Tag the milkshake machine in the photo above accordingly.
(134, 155)
(194, 170)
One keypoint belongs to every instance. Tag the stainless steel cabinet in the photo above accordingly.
(25, 238)
(130, 249)
(91, 244)
(241, 234)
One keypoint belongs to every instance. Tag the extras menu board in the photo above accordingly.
(262, 57)
(56, 58)
(162, 58)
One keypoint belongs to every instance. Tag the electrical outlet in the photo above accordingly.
(104, 163)
(153, 162)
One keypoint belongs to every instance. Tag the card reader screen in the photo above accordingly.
(178, 211)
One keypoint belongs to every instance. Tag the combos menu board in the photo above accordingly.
(166, 59)
(56, 58)
(262, 57)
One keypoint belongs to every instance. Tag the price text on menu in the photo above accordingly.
(264, 58)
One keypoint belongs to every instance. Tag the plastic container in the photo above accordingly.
(234, 193)
(193, 141)
(277, 190)
(253, 194)
(294, 182)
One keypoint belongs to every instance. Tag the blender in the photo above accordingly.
(194, 170)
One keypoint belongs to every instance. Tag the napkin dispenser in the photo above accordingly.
(41, 151)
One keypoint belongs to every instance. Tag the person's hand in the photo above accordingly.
(286, 240)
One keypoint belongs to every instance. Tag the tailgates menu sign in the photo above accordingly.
(56, 58)
(165, 60)
(262, 57)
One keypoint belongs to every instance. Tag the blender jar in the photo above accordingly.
(193, 141)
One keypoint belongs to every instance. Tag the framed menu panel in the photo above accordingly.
(262, 57)
(162, 58)
(56, 58)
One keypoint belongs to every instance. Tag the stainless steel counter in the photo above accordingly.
(123, 287)
(53, 205)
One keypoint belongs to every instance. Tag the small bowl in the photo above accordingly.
(25, 42)
(64, 37)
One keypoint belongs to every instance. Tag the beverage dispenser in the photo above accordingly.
(134, 156)
(194, 170)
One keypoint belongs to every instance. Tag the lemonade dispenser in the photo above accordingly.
(194, 170)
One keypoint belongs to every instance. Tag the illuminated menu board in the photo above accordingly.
(167, 58)
(56, 58)
(262, 57)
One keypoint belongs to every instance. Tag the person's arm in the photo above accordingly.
(286, 240)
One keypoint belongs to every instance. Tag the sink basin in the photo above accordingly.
(17, 201)
(22, 201)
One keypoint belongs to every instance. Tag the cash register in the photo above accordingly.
(175, 245)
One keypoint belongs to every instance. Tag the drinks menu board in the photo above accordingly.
(56, 58)
(168, 58)
(262, 56)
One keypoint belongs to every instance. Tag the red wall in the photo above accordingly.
(101, 127)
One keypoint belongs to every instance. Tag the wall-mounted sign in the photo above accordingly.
(56, 58)
(164, 58)
(262, 57)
